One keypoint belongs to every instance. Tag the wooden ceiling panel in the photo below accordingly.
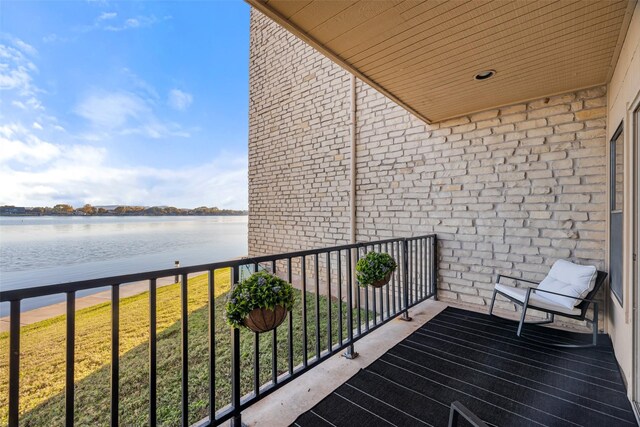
(352, 17)
(316, 12)
(423, 54)
(390, 21)
(290, 7)
(509, 62)
(452, 39)
(528, 85)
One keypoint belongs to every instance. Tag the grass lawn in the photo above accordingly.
(43, 358)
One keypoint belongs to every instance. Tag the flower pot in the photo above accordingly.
(264, 319)
(380, 283)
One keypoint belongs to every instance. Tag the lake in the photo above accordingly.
(37, 251)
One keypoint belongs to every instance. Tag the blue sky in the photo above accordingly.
(132, 102)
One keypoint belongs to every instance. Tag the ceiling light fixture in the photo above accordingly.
(484, 75)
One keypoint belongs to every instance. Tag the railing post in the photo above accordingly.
(434, 266)
(14, 363)
(115, 355)
(236, 420)
(153, 359)
(70, 359)
(350, 353)
(405, 279)
(184, 348)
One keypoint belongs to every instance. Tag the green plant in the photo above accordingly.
(260, 290)
(374, 266)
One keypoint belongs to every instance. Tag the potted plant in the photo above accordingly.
(375, 269)
(260, 302)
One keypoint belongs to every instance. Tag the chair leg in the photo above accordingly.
(594, 325)
(524, 313)
(493, 300)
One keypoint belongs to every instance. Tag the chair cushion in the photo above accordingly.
(534, 300)
(570, 279)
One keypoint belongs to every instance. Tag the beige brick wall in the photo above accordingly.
(298, 139)
(507, 190)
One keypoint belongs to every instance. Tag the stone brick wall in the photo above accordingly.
(298, 144)
(508, 190)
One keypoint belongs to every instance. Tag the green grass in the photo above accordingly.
(43, 365)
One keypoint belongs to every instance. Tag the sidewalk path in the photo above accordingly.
(53, 310)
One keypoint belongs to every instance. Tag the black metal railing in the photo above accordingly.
(327, 273)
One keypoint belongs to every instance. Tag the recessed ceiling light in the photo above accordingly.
(484, 75)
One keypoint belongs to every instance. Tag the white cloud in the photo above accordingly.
(55, 38)
(125, 113)
(108, 21)
(137, 22)
(141, 84)
(131, 23)
(112, 110)
(35, 103)
(179, 100)
(20, 145)
(36, 125)
(156, 129)
(104, 16)
(19, 104)
(13, 78)
(25, 47)
(80, 174)
(16, 73)
(15, 69)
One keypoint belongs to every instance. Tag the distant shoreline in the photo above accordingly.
(119, 215)
(63, 209)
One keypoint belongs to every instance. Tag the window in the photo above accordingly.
(616, 148)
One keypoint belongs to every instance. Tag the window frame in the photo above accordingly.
(618, 294)
(612, 168)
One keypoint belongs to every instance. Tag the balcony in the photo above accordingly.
(407, 369)
(368, 122)
(478, 122)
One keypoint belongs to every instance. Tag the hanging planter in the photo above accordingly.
(375, 269)
(260, 302)
(264, 319)
(380, 283)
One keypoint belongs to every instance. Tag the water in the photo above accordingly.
(36, 251)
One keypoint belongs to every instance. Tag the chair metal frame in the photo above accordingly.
(583, 306)
(458, 410)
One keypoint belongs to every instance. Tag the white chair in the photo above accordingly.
(567, 291)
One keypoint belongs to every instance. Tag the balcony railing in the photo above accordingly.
(320, 273)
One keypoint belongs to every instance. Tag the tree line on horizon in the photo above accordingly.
(123, 210)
